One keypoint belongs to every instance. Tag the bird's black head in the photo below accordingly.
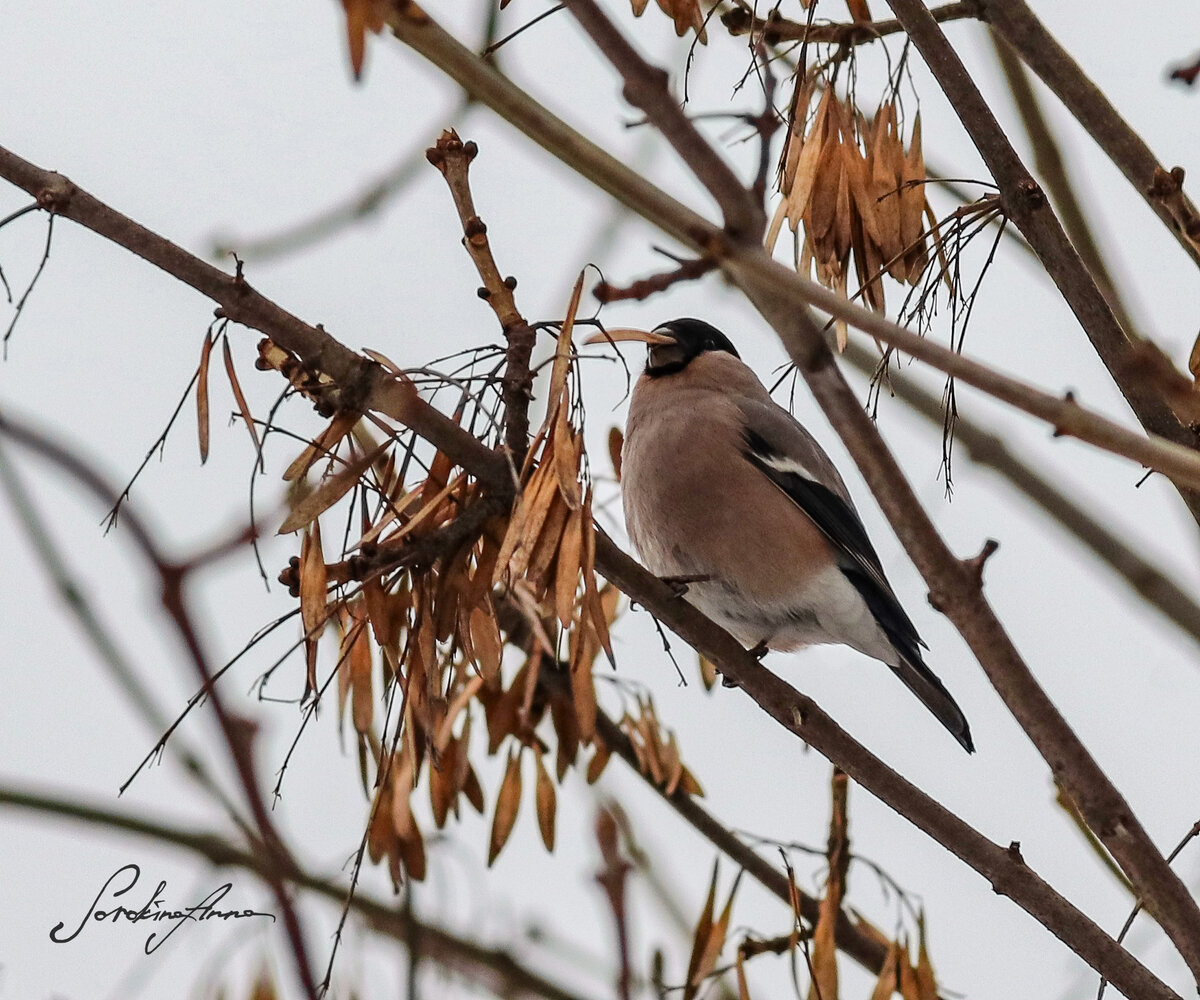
(689, 339)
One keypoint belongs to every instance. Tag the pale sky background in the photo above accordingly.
(239, 119)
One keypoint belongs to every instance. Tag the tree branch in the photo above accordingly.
(1041, 52)
(495, 969)
(774, 28)
(629, 188)
(646, 88)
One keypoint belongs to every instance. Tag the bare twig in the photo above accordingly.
(453, 158)
(612, 880)
(643, 288)
(775, 28)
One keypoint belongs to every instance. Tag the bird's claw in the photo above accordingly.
(679, 584)
(760, 650)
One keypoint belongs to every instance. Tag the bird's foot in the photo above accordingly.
(760, 650)
(679, 584)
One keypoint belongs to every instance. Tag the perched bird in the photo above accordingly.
(726, 492)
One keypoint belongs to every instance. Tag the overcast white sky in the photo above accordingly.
(227, 118)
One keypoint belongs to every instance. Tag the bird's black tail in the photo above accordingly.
(922, 682)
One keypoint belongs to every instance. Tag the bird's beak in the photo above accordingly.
(628, 333)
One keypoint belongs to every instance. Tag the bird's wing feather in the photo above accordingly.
(793, 461)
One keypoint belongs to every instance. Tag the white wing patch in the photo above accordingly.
(788, 466)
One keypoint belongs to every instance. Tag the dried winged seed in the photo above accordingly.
(562, 716)
(886, 985)
(590, 594)
(912, 192)
(202, 395)
(859, 180)
(486, 642)
(473, 790)
(323, 444)
(538, 505)
(412, 853)
(329, 492)
(583, 691)
(689, 784)
(402, 786)
(568, 453)
(672, 764)
(462, 762)
(939, 247)
(639, 6)
(381, 834)
(772, 237)
(616, 444)
(500, 711)
(926, 981)
(630, 728)
(558, 396)
(566, 581)
(823, 959)
(347, 626)
(508, 802)
(362, 705)
(909, 987)
(700, 939)
(445, 734)
(843, 220)
(801, 184)
(441, 783)
(312, 594)
(485, 565)
(548, 544)
(717, 936)
(599, 761)
(546, 803)
(516, 523)
(238, 395)
(822, 205)
(708, 672)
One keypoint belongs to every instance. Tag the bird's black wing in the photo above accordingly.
(840, 523)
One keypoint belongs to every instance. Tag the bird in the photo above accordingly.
(728, 495)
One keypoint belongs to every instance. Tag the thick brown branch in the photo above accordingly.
(1166, 896)
(1091, 108)
(453, 158)
(1026, 205)
(496, 970)
(647, 90)
(1007, 872)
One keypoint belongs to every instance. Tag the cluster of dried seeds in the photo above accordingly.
(849, 184)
